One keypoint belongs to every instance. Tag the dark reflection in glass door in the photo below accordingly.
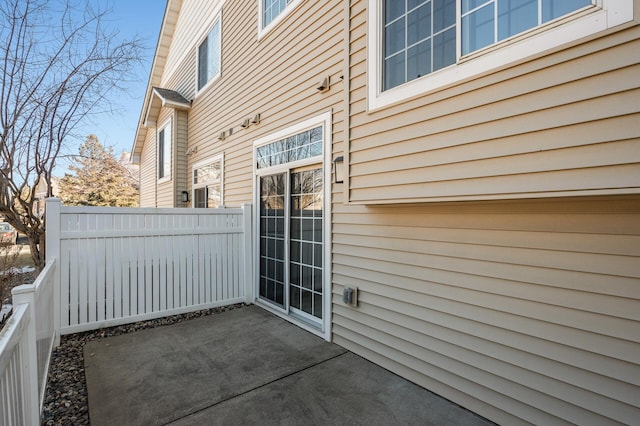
(291, 217)
(305, 265)
(272, 238)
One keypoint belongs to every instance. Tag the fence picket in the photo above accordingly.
(92, 293)
(111, 269)
(114, 251)
(142, 274)
(200, 270)
(102, 286)
(124, 272)
(65, 270)
(219, 282)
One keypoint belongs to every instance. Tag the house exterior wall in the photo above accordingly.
(523, 307)
(520, 300)
(566, 123)
(180, 155)
(165, 190)
(148, 171)
(265, 80)
(522, 311)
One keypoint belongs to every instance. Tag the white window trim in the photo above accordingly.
(219, 157)
(325, 120)
(264, 30)
(606, 14)
(216, 20)
(165, 126)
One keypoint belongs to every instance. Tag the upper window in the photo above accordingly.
(412, 39)
(271, 9)
(419, 38)
(420, 35)
(272, 12)
(209, 56)
(164, 153)
(487, 22)
(207, 183)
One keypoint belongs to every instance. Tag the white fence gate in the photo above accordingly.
(122, 265)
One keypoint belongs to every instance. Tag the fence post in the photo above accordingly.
(19, 296)
(52, 251)
(248, 254)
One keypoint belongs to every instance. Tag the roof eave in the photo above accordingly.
(169, 20)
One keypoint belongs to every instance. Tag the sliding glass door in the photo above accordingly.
(290, 170)
(291, 241)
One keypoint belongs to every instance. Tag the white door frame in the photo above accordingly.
(325, 120)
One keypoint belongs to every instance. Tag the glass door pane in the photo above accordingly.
(306, 248)
(200, 198)
(272, 238)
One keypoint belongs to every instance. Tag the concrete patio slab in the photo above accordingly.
(346, 390)
(247, 366)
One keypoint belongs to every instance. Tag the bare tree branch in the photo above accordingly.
(57, 66)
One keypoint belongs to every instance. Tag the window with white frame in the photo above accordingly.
(273, 11)
(413, 39)
(207, 183)
(209, 56)
(164, 152)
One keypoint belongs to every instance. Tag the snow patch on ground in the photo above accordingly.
(23, 270)
(4, 311)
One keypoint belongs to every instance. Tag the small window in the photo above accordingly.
(209, 56)
(271, 9)
(207, 183)
(164, 153)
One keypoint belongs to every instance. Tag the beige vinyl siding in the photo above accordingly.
(523, 311)
(281, 87)
(194, 21)
(183, 79)
(148, 172)
(567, 123)
(180, 155)
(165, 191)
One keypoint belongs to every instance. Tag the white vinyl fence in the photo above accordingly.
(122, 265)
(26, 342)
(110, 266)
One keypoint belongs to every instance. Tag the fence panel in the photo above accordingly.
(43, 289)
(13, 386)
(26, 342)
(121, 265)
(109, 266)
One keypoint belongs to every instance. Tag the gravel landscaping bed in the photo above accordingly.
(66, 395)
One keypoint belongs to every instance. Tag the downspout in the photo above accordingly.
(347, 104)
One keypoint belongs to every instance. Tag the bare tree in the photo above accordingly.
(57, 64)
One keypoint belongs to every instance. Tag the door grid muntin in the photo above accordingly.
(272, 238)
(306, 242)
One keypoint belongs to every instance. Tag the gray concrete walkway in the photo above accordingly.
(247, 366)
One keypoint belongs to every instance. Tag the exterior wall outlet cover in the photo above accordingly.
(350, 296)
